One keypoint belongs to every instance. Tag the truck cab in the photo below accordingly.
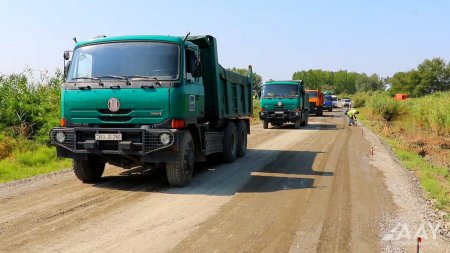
(283, 102)
(334, 101)
(315, 102)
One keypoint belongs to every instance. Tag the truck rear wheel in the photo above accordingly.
(88, 171)
(242, 138)
(179, 173)
(265, 124)
(305, 121)
(230, 142)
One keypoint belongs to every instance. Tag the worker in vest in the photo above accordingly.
(351, 116)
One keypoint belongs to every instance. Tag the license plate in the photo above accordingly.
(278, 112)
(108, 137)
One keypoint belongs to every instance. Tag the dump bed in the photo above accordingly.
(227, 94)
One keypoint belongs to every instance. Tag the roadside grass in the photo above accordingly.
(434, 180)
(23, 164)
(399, 134)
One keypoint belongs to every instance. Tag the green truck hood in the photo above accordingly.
(286, 103)
(137, 106)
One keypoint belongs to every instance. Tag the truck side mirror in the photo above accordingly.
(66, 55)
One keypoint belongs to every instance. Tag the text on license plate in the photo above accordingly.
(278, 112)
(108, 137)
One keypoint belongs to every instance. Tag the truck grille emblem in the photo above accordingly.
(113, 104)
(279, 103)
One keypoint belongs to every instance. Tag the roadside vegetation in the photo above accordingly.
(418, 131)
(29, 108)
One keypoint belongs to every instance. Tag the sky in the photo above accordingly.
(276, 37)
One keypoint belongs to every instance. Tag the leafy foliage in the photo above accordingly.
(257, 79)
(430, 76)
(339, 82)
(29, 108)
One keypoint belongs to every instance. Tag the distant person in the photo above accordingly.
(351, 114)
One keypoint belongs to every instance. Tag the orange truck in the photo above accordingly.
(315, 102)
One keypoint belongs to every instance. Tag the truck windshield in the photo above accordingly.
(312, 94)
(333, 98)
(270, 91)
(328, 99)
(126, 59)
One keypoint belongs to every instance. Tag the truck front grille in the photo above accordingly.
(142, 140)
(115, 118)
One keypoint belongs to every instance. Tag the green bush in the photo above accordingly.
(28, 107)
(28, 110)
(359, 99)
(382, 105)
(431, 112)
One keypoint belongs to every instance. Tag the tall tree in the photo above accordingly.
(366, 83)
(257, 79)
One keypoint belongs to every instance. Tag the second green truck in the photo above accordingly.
(284, 102)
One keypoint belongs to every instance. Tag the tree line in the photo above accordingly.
(339, 82)
(429, 77)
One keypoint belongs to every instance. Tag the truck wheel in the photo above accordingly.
(265, 124)
(230, 142)
(298, 123)
(305, 121)
(88, 171)
(242, 138)
(179, 173)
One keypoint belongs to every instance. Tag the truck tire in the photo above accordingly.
(88, 171)
(265, 124)
(179, 173)
(298, 123)
(230, 143)
(242, 138)
(305, 121)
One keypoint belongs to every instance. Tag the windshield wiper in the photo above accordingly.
(157, 82)
(89, 78)
(118, 77)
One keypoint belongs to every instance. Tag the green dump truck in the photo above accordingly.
(284, 102)
(150, 101)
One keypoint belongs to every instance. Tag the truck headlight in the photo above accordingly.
(164, 138)
(60, 136)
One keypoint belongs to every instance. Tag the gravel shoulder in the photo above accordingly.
(415, 215)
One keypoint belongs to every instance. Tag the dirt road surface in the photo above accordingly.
(306, 190)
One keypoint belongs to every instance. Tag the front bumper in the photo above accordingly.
(279, 116)
(134, 141)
